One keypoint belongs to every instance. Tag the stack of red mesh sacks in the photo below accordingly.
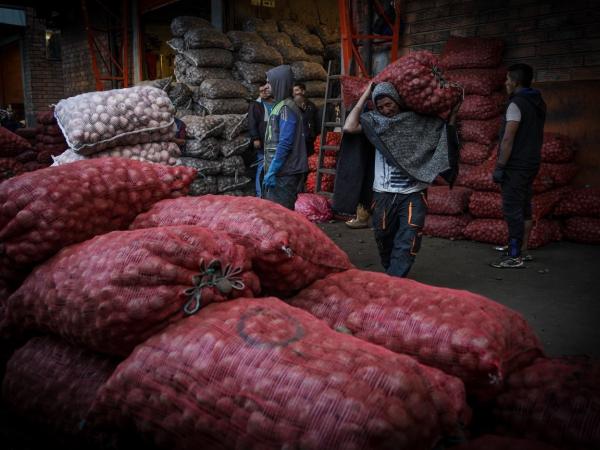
(12, 150)
(49, 138)
(475, 64)
(227, 375)
(447, 214)
(329, 162)
(581, 213)
(549, 188)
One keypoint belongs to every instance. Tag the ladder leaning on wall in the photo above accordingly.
(332, 104)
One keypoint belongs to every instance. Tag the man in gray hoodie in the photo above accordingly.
(286, 161)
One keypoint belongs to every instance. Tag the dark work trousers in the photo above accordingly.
(398, 220)
(516, 205)
(286, 190)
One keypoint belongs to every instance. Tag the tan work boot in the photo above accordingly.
(361, 220)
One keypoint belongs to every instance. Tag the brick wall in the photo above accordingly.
(43, 80)
(77, 64)
(559, 38)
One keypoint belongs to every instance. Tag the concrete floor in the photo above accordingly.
(558, 293)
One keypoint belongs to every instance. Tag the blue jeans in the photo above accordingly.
(398, 220)
(260, 166)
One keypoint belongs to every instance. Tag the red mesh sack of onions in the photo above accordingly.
(554, 400)
(464, 173)
(421, 84)
(478, 81)
(53, 384)
(116, 290)
(43, 211)
(474, 153)
(479, 107)
(443, 200)
(288, 252)
(329, 162)
(327, 182)
(495, 231)
(352, 89)
(582, 229)
(493, 442)
(448, 227)
(471, 52)
(580, 202)
(261, 374)
(479, 177)
(561, 174)
(481, 131)
(489, 204)
(12, 144)
(27, 156)
(314, 207)
(46, 117)
(557, 148)
(34, 165)
(544, 231)
(463, 334)
(10, 167)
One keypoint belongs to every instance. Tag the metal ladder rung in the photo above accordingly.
(325, 127)
(326, 193)
(329, 171)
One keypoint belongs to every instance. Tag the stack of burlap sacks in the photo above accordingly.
(218, 74)
(213, 107)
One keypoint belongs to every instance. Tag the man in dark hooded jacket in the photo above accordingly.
(286, 161)
(519, 159)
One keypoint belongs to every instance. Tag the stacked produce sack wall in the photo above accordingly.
(476, 64)
(218, 74)
(167, 331)
(30, 149)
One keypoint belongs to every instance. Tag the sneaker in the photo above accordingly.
(356, 224)
(504, 250)
(506, 262)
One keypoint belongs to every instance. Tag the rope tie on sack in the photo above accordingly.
(438, 74)
(213, 275)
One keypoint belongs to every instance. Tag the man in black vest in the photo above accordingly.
(286, 161)
(519, 158)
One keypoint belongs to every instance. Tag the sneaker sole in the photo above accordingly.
(498, 266)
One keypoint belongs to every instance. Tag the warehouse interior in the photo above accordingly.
(102, 346)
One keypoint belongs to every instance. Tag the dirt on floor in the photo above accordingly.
(558, 292)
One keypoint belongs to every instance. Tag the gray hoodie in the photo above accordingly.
(281, 79)
(294, 156)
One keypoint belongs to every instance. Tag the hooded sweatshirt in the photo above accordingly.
(527, 146)
(284, 140)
